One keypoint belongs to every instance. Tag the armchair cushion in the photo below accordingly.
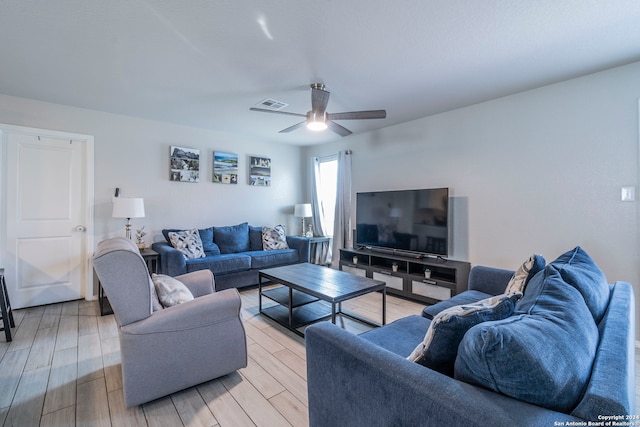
(171, 291)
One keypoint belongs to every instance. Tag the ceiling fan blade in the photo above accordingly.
(319, 98)
(294, 127)
(262, 110)
(340, 130)
(356, 115)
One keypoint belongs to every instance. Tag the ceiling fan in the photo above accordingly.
(318, 119)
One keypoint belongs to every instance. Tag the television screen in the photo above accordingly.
(406, 220)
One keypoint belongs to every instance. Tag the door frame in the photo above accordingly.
(88, 235)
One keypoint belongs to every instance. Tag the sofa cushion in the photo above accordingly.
(578, 269)
(171, 291)
(544, 356)
(400, 336)
(221, 264)
(466, 297)
(188, 243)
(255, 238)
(274, 238)
(208, 245)
(266, 259)
(439, 348)
(232, 239)
(524, 273)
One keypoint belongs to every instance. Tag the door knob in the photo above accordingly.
(81, 228)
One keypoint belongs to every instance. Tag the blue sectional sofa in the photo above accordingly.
(233, 253)
(366, 380)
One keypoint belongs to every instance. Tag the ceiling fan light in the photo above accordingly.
(316, 122)
(316, 126)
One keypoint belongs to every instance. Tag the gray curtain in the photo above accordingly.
(322, 252)
(342, 221)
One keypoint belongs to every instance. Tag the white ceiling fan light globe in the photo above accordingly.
(316, 122)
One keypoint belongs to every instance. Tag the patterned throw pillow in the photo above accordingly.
(525, 272)
(274, 238)
(188, 242)
(439, 349)
(171, 291)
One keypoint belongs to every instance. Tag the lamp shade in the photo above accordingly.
(302, 210)
(128, 207)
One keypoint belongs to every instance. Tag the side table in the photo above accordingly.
(5, 306)
(150, 257)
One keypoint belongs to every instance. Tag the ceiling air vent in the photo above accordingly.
(271, 104)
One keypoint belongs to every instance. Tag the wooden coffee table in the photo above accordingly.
(310, 293)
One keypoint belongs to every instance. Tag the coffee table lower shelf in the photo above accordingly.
(305, 309)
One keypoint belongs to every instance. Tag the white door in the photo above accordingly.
(46, 211)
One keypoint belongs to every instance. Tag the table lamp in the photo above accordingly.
(302, 210)
(128, 207)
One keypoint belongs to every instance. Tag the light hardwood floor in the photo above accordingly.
(63, 369)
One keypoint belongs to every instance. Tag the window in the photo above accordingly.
(327, 188)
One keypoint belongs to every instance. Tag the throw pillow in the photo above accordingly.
(188, 242)
(232, 239)
(171, 291)
(578, 269)
(274, 238)
(543, 357)
(155, 301)
(525, 272)
(206, 236)
(439, 349)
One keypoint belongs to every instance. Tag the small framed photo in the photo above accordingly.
(260, 172)
(225, 167)
(184, 164)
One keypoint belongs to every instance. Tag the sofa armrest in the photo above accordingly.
(200, 282)
(489, 280)
(172, 262)
(351, 381)
(301, 244)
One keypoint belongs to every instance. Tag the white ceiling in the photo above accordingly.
(203, 63)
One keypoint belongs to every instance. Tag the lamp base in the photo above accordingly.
(127, 229)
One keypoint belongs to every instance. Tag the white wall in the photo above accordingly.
(133, 154)
(540, 171)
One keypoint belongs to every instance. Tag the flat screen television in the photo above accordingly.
(415, 221)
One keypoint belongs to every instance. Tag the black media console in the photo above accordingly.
(405, 275)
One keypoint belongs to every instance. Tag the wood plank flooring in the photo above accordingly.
(63, 369)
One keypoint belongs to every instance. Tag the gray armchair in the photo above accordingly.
(174, 348)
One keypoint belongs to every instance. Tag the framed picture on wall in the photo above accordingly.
(225, 167)
(260, 171)
(184, 164)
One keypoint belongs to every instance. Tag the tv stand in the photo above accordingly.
(404, 272)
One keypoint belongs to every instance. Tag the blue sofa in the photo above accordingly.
(367, 380)
(233, 253)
